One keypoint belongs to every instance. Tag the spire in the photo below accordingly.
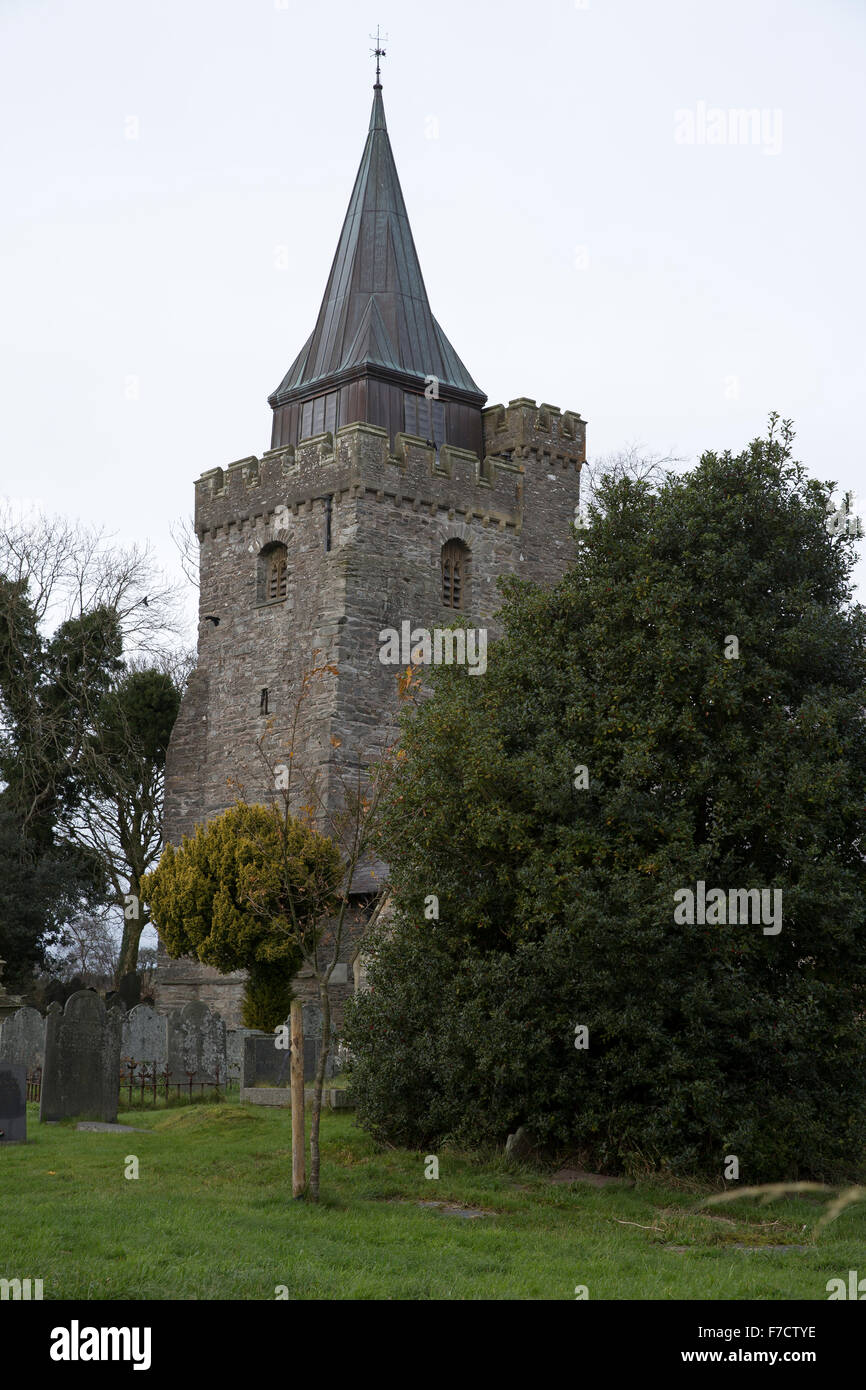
(375, 312)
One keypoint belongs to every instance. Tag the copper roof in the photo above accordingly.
(375, 310)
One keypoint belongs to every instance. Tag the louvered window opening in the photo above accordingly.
(453, 574)
(425, 419)
(277, 579)
(319, 416)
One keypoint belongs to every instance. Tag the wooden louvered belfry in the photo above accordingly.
(277, 576)
(453, 573)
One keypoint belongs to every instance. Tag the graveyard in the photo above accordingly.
(210, 1216)
(113, 1186)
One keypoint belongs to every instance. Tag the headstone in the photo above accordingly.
(13, 1103)
(22, 1038)
(144, 1037)
(235, 1041)
(264, 1063)
(197, 1044)
(81, 1075)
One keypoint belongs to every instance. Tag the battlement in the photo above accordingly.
(357, 462)
(530, 429)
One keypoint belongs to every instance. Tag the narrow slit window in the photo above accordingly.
(263, 701)
(453, 574)
(277, 578)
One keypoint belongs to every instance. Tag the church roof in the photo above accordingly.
(375, 310)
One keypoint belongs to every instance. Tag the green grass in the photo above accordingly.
(211, 1216)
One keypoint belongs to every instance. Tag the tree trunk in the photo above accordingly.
(132, 929)
(128, 961)
(296, 1063)
(325, 998)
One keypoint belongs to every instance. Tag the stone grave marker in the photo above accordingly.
(264, 1063)
(144, 1038)
(22, 1038)
(13, 1103)
(197, 1044)
(81, 1075)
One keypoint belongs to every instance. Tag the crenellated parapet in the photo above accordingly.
(523, 429)
(357, 462)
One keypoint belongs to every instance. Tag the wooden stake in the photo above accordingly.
(299, 1137)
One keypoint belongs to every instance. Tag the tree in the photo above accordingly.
(685, 707)
(70, 604)
(351, 811)
(222, 896)
(121, 818)
(87, 950)
(265, 889)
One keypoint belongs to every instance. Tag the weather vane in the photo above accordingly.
(378, 53)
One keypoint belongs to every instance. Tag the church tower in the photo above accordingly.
(391, 494)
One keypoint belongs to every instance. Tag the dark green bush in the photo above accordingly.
(556, 903)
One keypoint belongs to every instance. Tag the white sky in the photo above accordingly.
(715, 283)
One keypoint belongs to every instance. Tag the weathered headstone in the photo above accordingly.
(264, 1063)
(235, 1042)
(197, 1045)
(81, 1075)
(13, 1103)
(22, 1038)
(144, 1038)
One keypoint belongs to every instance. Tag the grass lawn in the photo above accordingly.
(211, 1216)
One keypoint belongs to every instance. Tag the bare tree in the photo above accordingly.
(87, 949)
(331, 917)
(185, 539)
(632, 461)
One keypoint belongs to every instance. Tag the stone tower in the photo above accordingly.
(391, 494)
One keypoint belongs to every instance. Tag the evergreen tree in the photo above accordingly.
(685, 706)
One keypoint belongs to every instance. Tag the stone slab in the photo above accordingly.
(197, 1044)
(82, 1060)
(22, 1038)
(144, 1037)
(13, 1103)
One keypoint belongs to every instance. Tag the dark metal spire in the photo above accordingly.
(375, 312)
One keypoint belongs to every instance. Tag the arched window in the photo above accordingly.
(273, 574)
(455, 564)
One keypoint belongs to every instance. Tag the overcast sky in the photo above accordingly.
(175, 176)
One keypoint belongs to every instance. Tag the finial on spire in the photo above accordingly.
(378, 53)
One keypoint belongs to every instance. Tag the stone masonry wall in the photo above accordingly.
(390, 516)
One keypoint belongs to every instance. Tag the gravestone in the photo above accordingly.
(197, 1044)
(235, 1040)
(22, 1038)
(144, 1037)
(264, 1063)
(81, 1075)
(13, 1103)
(267, 1065)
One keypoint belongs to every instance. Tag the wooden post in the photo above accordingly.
(299, 1138)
